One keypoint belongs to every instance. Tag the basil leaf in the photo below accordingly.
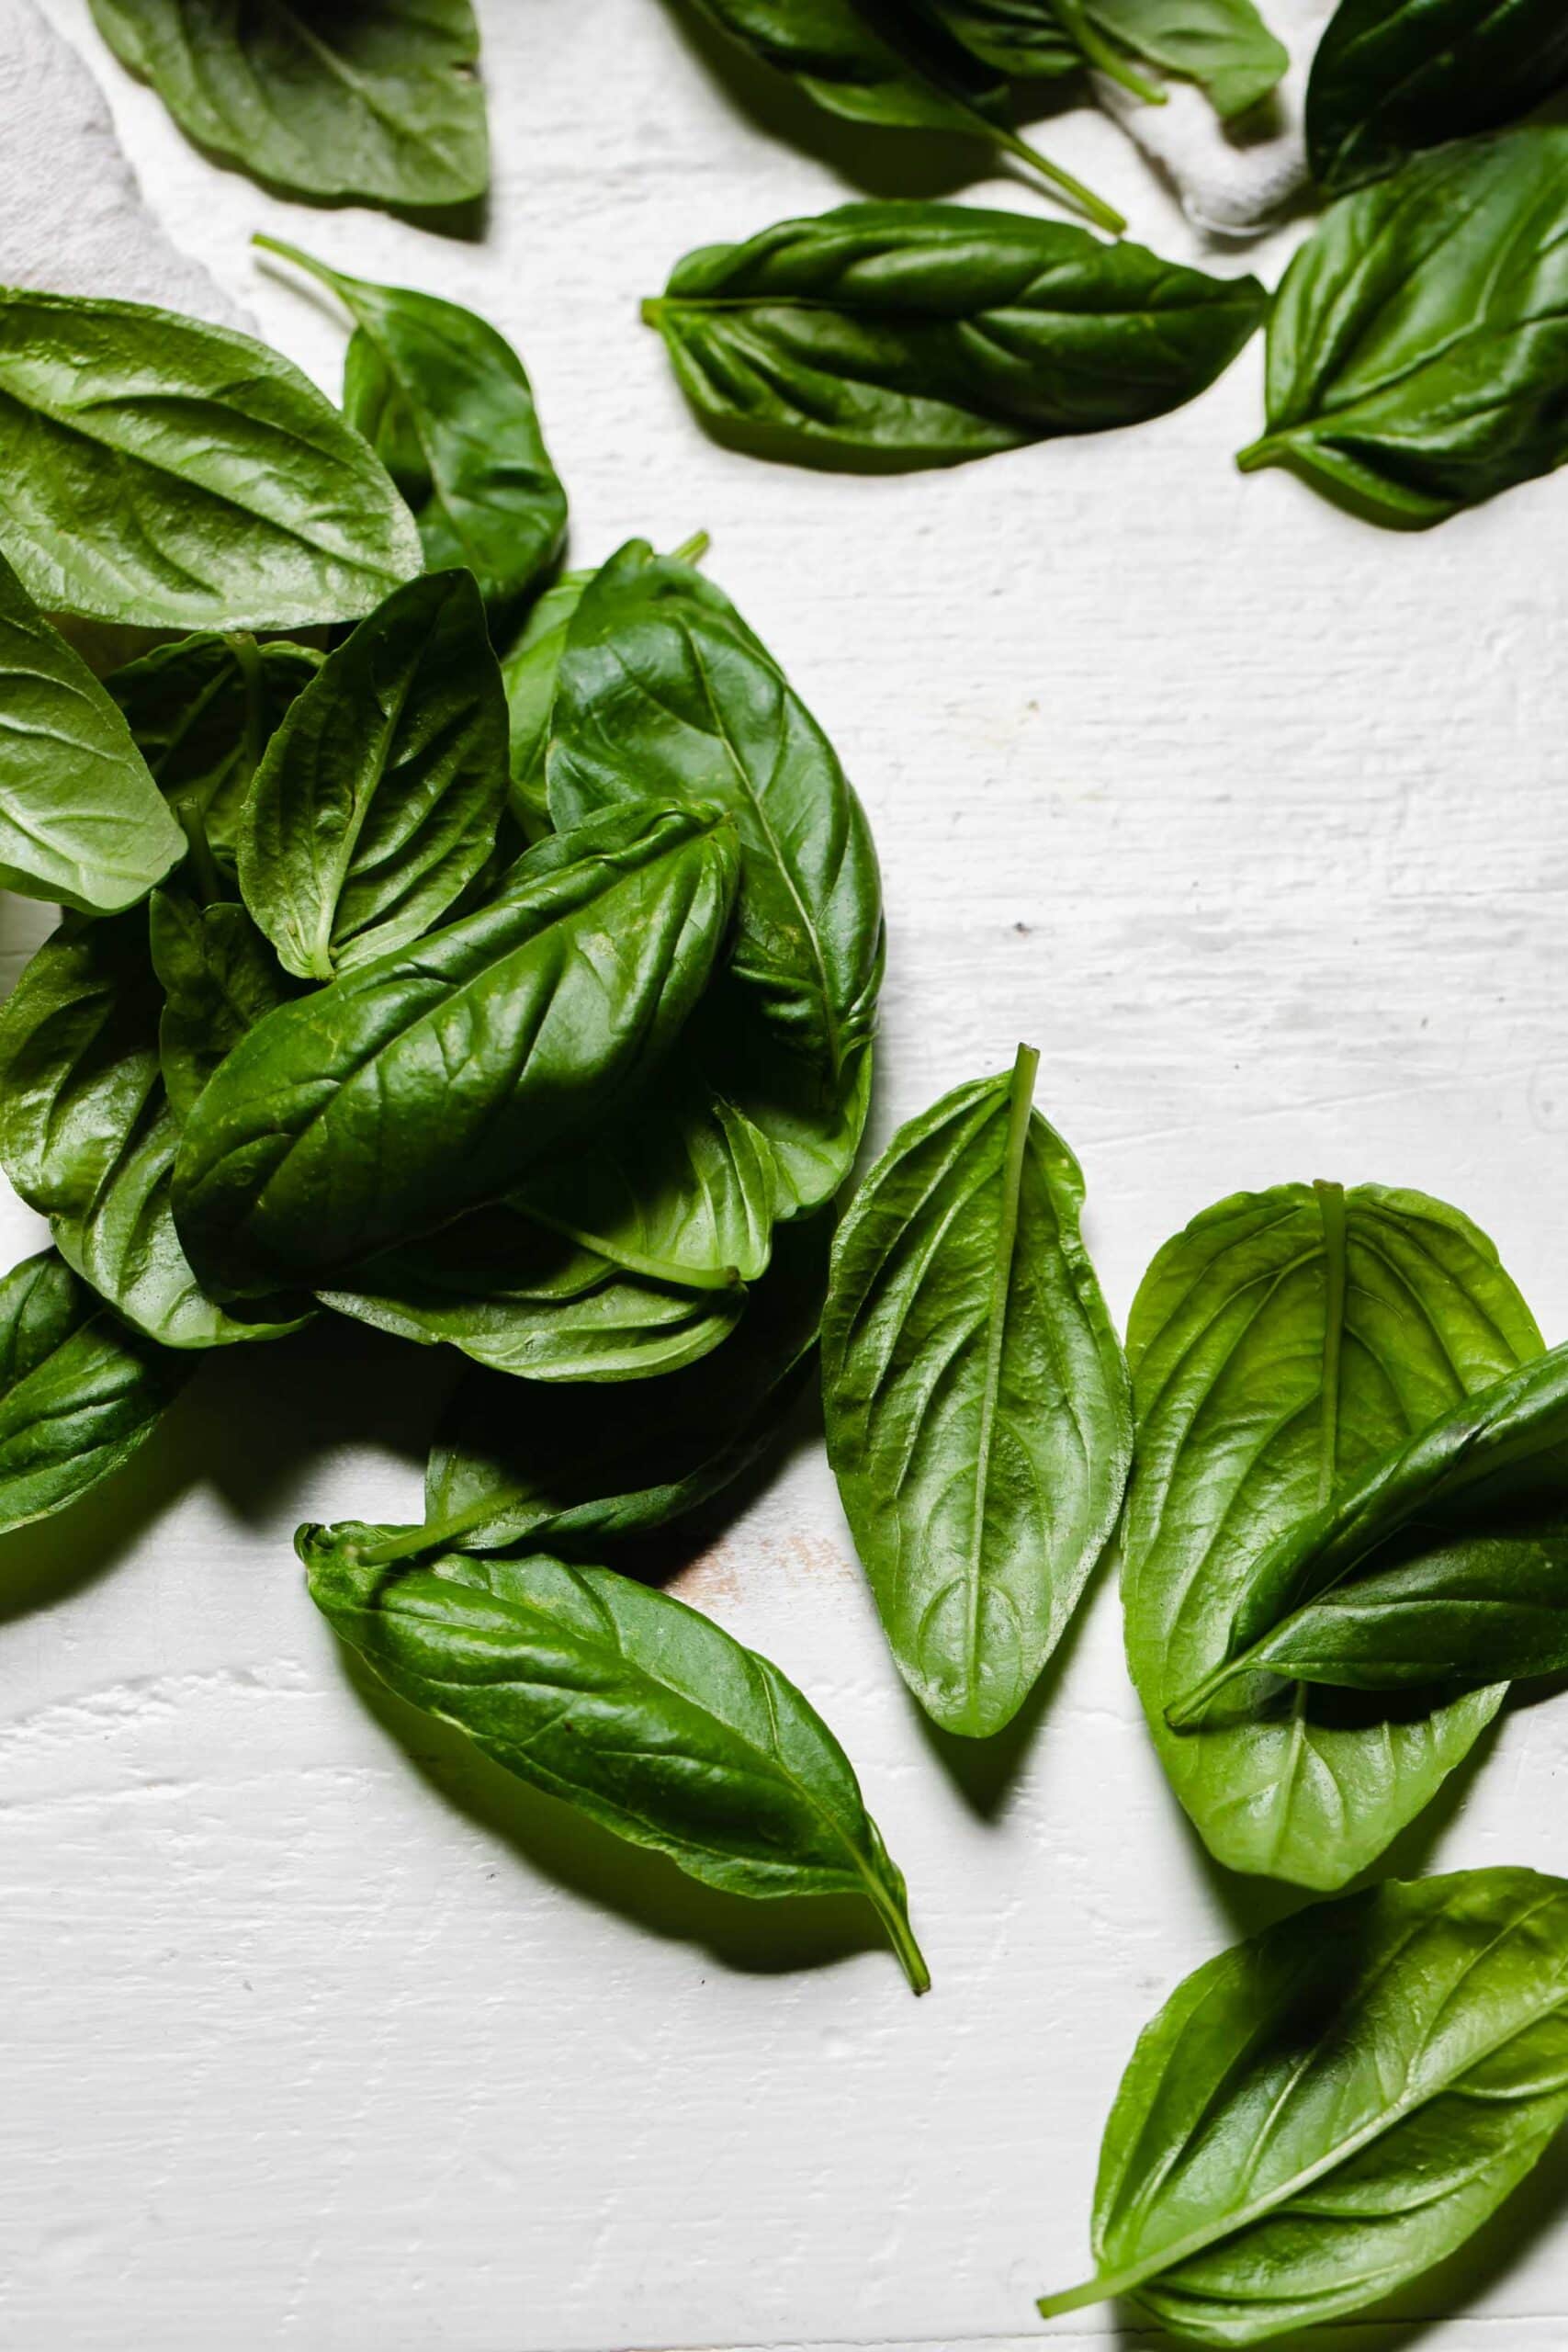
(663, 690)
(977, 1411)
(888, 336)
(1024, 39)
(1447, 1563)
(493, 1043)
(446, 403)
(179, 475)
(1222, 45)
(81, 819)
(650, 1719)
(78, 1392)
(219, 978)
(381, 102)
(521, 1299)
(1392, 76)
(1283, 1344)
(1418, 340)
(1326, 2110)
(528, 673)
(378, 799)
(203, 712)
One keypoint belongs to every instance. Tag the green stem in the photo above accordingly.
(1093, 2291)
(1105, 56)
(692, 551)
(901, 1935)
(1189, 1710)
(1258, 454)
(652, 310)
(434, 1535)
(1098, 210)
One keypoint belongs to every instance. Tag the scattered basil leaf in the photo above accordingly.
(977, 1411)
(529, 674)
(378, 799)
(1419, 339)
(1326, 2110)
(381, 102)
(180, 476)
(646, 1716)
(1023, 38)
(81, 819)
(1222, 45)
(490, 1044)
(219, 978)
(78, 1391)
(1279, 1347)
(1392, 76)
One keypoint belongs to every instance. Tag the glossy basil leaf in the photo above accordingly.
(382, 101)
(81, 819)
(175, 475)
(1023, 38)
(202, 713)
(1448, 1563)
(1419, 339)
(446, 403)
(663, 690)
(491, 1046)
(650, 1719)
(889, 336)
(378, 799)
(1222, 45)
(977, 1403)
(1281, 1346)
(1392, 76)
(1326, 2110)
(219, 978)
(528, 673)
(521, 1299)
(78, 1391)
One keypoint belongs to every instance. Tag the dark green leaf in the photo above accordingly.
(1326, 2110)
(1418, 343)
(979, 1418)
(1024, 39)
(219, 978)
(528, 673)
(378, 799)
(1281, 1346)
(1392, 76)
(622, 1701)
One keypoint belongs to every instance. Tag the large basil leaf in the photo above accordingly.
(662, 689)
(529, 672)
(1419, 342)
(446, 403)
(977, 1411)
(378, 799)
(894, 336)
(1222, 45)
(180, 476)
(648, 1717)
(1326, 2110)
(81, 819)
(491, 1045)
(1279, 1347)
(378, 101)
(219, 978)
(1391, 76)
(78, 1391)
(522, 1299)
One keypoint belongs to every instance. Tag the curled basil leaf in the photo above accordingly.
(219, 978)
(1392, 76)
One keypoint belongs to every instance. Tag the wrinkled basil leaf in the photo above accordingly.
(1392, 76)
(219, 979)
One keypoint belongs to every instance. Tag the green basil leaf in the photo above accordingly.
(446, 403)
(1279, 1347)
(202, 713)
(663, 690)
(81, 819)
(381, 102)
(219, 978)
(1222, 45)
(180, 476)
(1023, 38)
(378, 799)
(528, 673)
(78, 1392)
(1419, 339)
(503, 1039)
(520, 1299)
(1392, 76)
(1326, 2110)
(977, 1410)
(650, 1719)
(889, 336)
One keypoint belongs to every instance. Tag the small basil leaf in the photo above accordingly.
(82, 822)
(78, 1391)
(1392, 76)
(503, 1039)
(378, 799)
(379, 102)
(1282, 1345)
(1326, 2110)
(219, 978)
(528, 673)
(1023, 38)
(888, 336)
(646, 1716)
(1419, 339)
(1222, 45)
(977, 1410)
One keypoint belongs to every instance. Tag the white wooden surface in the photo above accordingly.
(319, 2034)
